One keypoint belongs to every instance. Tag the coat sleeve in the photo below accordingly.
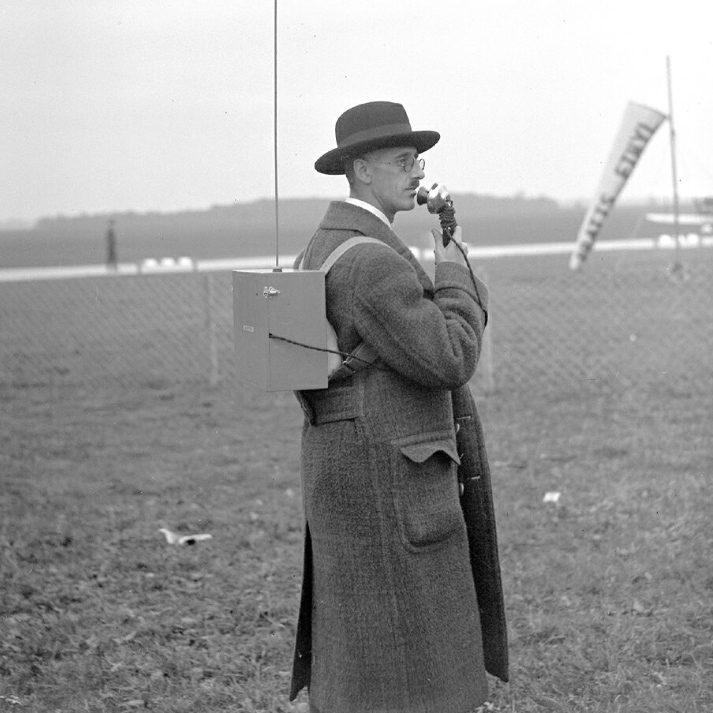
(434, 342)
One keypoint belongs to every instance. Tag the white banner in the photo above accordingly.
(638, 125)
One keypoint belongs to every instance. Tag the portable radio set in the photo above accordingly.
(290, 305)
(283, 341)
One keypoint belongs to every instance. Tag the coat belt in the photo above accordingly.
(338, 403)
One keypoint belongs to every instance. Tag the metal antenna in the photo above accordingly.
(277, 202)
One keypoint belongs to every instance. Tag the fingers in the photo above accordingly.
(458, 235)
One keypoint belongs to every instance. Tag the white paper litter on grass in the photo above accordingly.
(175, 539)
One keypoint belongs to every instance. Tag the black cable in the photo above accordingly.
(465, 256)
(467, 262)
(317, 349)
(447, 219)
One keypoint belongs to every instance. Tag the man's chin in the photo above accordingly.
(410, 203)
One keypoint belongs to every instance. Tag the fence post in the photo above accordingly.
(210, 329)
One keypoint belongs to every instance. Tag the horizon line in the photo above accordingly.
(14, 223)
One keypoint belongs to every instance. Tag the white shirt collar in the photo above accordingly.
(367, 206)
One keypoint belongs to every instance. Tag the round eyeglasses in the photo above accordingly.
(407, 163)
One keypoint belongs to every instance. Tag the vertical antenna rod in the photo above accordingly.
(277, 209)
(674, 173)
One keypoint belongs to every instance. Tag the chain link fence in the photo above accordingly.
(624, 322)
(633, 322)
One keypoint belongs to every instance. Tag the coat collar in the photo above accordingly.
(371, 209)
(346, 216)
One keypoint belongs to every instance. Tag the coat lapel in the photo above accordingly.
(347, 217)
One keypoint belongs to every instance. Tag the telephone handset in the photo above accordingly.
(439, 201)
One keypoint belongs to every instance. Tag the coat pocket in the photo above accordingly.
(425, 490)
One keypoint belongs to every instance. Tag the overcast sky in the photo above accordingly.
(111, 105)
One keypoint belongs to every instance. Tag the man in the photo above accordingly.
(395, 547)
(111, 257)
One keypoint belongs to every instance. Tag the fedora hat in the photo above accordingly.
(375, 125)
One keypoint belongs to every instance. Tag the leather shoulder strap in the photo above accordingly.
(344, 247)
(337, 252)
(362, 356)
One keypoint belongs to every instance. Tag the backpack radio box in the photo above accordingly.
(283, 341)
(280, 329)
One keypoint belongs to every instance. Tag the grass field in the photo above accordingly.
(609, 592)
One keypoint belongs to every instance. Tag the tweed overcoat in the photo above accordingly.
(389, 619)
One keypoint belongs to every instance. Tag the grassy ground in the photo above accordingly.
(602, 393)
(608, 592)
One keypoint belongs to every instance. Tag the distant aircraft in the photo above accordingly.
(703, 217)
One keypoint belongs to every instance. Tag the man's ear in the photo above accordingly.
(361, 170)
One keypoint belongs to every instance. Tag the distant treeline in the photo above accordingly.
(248, 229)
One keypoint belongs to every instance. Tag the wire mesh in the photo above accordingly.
(625, 323)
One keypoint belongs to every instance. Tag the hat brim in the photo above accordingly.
(332, 163)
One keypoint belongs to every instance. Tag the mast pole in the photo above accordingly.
(277, 202)
(674, 173)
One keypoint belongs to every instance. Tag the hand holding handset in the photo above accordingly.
(439, 201)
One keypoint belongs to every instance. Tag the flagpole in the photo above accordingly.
(674, 173)
(274, 120)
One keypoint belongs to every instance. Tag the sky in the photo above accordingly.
(116, 105)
